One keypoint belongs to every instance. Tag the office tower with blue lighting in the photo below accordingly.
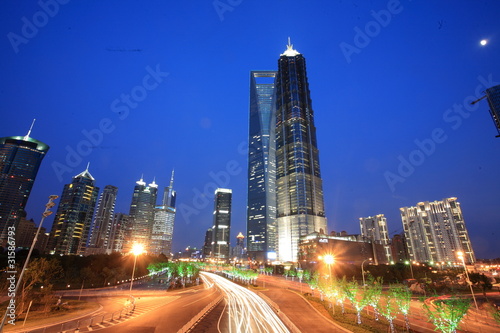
(261, 204)
(100, 239)
(299, 187)
(20, 159)
(221, 228)
(73, 219)
(163, 225)
(142, 214)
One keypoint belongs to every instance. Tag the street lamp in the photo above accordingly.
(460, 255)
(46, 213)
(137, 249)
(329, 260)
(408, 262)
(363, 271)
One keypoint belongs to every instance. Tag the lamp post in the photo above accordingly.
(329, 260)
(137, 249)
(460, 255)
(408, 262)
(46, 213)
(363, 271)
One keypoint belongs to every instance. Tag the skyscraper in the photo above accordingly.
(493, 95)
(222, 224)
(300, 206)
(20, 159)
(100, 240)
(435, 231)
(142, 214)
(73, 219)
(374, 228)
(163, 225)
(261, 207)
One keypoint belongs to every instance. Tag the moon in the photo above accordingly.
(483, 42)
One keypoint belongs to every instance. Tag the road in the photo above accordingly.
(245, 312)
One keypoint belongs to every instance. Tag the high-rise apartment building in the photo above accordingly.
(100, 239)
(374, 228)
(163, 225)
(300, 206)
(435, 231)
(222, 224)
(121, 232)
(73, 219)
(20, 159)
(142, 214)
(261, 206)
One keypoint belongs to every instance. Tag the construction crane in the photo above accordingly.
(493, 95)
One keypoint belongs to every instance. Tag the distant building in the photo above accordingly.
(20, 159)
(163, 225)
(100, 240)
(121, 232)
(73, 219)
(375, 229)
(353, 249)
(435, 232)
(221, 229)
(207, 245)
(398, 248)
(25, 234)
(299, 187)
(239, 251)
(261, 204)
(142, 214)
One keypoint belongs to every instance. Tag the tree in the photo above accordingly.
(446, 314)
(357, 296)
(374, 292)
(388, 307)
(403, 300)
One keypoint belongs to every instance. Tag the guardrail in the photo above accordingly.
(75, 325)
(188, 326)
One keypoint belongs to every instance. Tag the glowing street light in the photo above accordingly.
(460, 255)
(329, 259)
(408, 262)
(137, 249)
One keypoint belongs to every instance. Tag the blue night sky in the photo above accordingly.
(165, 84)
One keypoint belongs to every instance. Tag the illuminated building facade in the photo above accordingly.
(100, 239)
(73, 219)
(261, 205)
(300, 206)
(435, 232)
(374, 228)
(163, 225)
(20, 159)
(121, 231)
(222, 224)
(142, 214)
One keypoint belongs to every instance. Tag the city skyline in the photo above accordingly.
(392, 104)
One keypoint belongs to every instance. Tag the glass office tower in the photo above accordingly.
(222, 224)
(261, 206)
(20, 159)
(300, 206)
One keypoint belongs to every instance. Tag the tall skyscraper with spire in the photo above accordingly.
(299, 187)
(261, 205)
(100, 239)
(163, 225)
(73, 219)
(20, 159)
(142, 214)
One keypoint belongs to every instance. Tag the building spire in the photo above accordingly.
(172, 179)
(290, 52)
(29, 132)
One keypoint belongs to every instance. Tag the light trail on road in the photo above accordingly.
(247, 312)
